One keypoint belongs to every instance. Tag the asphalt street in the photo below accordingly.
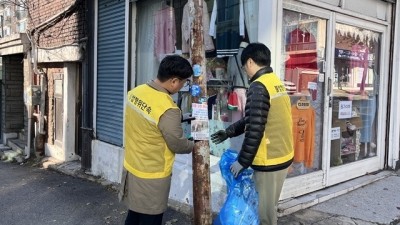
(35, 196)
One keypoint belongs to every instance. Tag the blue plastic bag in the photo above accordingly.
(241, 205)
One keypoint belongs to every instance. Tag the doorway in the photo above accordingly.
(331, 65)
(356, 133)
(304, 43)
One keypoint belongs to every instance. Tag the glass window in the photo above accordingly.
(355, 94)
(303, 51)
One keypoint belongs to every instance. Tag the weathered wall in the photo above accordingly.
(13, 99)
(69, 30)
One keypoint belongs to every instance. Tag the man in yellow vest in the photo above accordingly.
(267, 125)
(153, 135)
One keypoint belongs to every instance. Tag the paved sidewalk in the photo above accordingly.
(375, 203)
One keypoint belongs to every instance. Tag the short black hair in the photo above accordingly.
(174, 66)
(258, 52)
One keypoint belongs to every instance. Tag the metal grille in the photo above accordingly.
(110, 71)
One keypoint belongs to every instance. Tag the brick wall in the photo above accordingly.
(13, 98)
(70, 30)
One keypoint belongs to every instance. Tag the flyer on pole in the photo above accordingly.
(199, 126)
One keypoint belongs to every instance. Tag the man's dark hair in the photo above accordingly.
(258, 52)
(174, 66)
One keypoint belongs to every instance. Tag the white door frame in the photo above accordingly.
(355, 169)
(307, 183)
(328, 176)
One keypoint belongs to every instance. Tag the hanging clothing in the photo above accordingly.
(185, 102)
(251, 18)
(359, 58)
(186, 39)
(234, 69)
(303, 135)
(241, 96)
(164, 32)
(227, 26)
(367, 112)
(240, 82)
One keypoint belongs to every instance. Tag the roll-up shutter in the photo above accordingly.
(110, 71)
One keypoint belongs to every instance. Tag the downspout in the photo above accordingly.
(40, 133)
(87, 92)
(29, 108)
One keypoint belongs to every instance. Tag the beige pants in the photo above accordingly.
(269, 186)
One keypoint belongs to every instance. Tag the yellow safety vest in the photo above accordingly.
(276, 146)
(146, 152)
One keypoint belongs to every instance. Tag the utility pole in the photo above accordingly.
(201, 152)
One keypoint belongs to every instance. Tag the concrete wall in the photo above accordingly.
(107, 161)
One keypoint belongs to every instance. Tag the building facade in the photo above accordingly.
(43, 56)
(14, 43)
(59, 37)
(339, 59)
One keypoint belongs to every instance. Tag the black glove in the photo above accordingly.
(187, 117)
(219, 136)
(191, 139)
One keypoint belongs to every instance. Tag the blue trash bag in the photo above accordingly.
(241, 205)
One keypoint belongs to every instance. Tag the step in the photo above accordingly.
(21, 135)
(16, 145)
(4, 148)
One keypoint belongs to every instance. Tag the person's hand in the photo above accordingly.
(191, 139)
(187, 117)
(219, 136)
(236, 168)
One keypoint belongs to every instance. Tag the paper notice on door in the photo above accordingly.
(199, 126)
(345, 109)
(335, 133)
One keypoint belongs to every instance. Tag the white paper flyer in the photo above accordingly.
(199, 126)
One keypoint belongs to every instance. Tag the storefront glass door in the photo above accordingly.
(354, 101)
(303, 53)
(355, 94)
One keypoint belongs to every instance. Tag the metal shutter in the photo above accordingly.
(110, 71)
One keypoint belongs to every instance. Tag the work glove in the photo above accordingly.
(191, 139)
(236, 168)
(187, 117)
(219, 136)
